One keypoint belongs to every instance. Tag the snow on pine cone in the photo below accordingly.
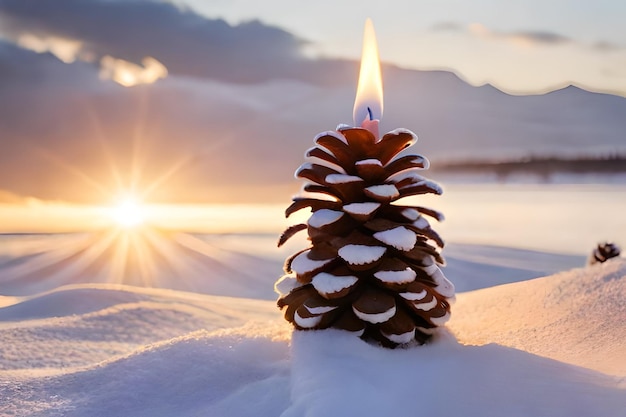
(373, 266)
(603, 252)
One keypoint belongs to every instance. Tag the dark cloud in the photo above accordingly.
(20, 67)
(185, 42)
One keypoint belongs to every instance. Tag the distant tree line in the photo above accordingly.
(544, 166)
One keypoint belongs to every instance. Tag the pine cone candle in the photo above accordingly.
(373, 266)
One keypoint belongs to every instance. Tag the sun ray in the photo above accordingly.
(145, 265)
(99, 136)
(137, 137)
(167, 174)
(119, 259)
(174, 257)
(72, 169)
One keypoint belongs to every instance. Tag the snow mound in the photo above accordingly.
(81, 325)
(335, 374)
(212, 374)
(578, 316)
(532, 348)
(471, 267)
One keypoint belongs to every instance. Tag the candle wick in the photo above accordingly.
(369, 113)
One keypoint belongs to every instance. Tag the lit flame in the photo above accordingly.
(368, 104)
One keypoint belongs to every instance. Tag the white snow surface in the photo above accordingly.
(400, 238)
(307, 322)
(342, 178)
(285, 284)
(369, 162)
(398, 277)
(324, 217)
(361, 254)
(303, 264)
(550, 347)
(333, 133)
(375, 317)
(411, 214)
(421, 222)
(326, 283)
(444, 286)
(361, 208)
(384, 190)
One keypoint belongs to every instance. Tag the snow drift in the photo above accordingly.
(103, 350)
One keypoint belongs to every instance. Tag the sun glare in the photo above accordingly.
(128, 213)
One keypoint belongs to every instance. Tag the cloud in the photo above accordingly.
(182, 41)
(539, 37)
(129, 74)
(66, 50)
(67, 134)
(520, 38)
(604, 46)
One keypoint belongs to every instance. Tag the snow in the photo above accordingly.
(285, 284)
(550, 347)
(427, 306)
(361, 208)
(302, 263)
(400, 238)
(409, 174)
(444, 286)
(375, 317)
(413, 296)
(384, 191)
(361, 254)
(401, 338)
(324, 217)
(369, 162)
(320, 309)
(304, 166)
(308, 322)
(577, 316)
(397, 277)
(440, 321)
(326, 283)
(402, 130)
(411, 214)
(443, 378)
(332, 133)
(342, 178)
(421, 222)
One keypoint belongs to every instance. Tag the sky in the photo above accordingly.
(521, 46)
(215, 102)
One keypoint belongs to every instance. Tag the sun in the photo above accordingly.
(128, 213)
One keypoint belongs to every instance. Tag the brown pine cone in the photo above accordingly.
(373, 266)
(603, 252)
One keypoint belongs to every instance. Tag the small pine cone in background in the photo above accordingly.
(373, 266)
(603, 252)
